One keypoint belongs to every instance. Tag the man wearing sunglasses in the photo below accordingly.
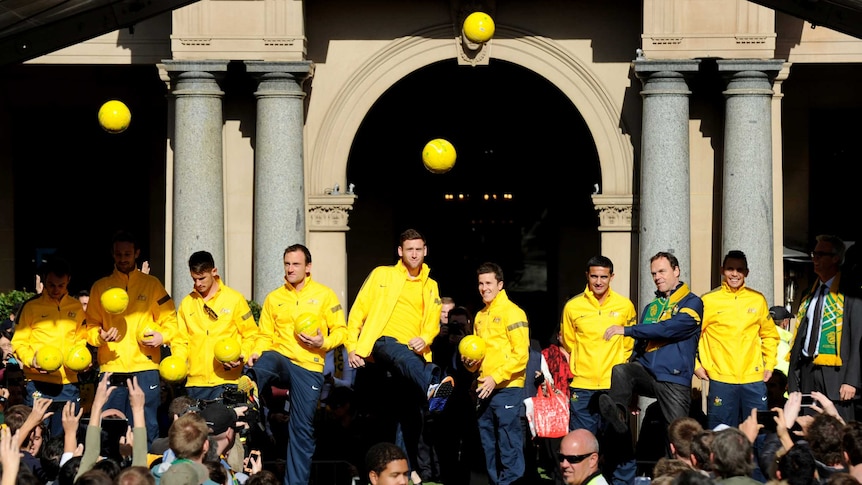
(212, 315)
(825, 353)
(579, 459)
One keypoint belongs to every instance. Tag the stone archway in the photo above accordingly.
(329, 148)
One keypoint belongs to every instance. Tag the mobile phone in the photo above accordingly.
(57, 406)
(113, 429)
(766, 418)
(808, 400)
(119, 379)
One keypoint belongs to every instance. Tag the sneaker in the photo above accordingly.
(441, 394)
(249, 387)
(612, 413)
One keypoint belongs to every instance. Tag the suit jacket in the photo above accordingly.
(850, 371)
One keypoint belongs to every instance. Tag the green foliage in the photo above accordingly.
(255, 310)
(8, 301)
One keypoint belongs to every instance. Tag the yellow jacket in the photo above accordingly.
(198, 334)
(149, 305)
(591, 357)
(738, 339)
(376, 300)
(284, 304)
(42, 321)
(503, 326)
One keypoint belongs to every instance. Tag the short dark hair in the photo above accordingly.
(732, 454)
(701, 447)
(381, 454)
(56, 266)
(798, 466)
(409, 235)
(735, 254)
(851, 441)
(180, 405)
(124, 236)
(49, 456)
(293, 248)
(674, 263)
(600, 261)
(681, 432)
(201, 261)
(824, 438)
(68, 471)
(488, 267)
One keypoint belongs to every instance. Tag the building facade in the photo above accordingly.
(620, 128)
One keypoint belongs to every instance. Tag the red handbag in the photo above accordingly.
(550, 412)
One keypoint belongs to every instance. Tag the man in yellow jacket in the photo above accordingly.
(591, 357)
(51, 319)
(393, 320)
(737, 348)
(293, 356)
(150, 315)
(212, 314)
(503, 326)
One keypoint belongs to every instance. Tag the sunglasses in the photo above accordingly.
(573, 459)
(212, 314)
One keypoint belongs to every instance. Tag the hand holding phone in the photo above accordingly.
(119, 379)
(808, 401)
(767, 419)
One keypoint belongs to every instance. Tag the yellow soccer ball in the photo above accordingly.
(142, 331)
(114, 116)
(78, 358)
(173, 369)
(227, 350)
(49, 358)
(115, 300)
(478, 27)
(307, 323)
(439, 156)
(472, 347)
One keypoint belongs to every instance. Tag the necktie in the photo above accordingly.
(816, 318)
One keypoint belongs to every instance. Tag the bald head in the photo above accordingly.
(579, 456)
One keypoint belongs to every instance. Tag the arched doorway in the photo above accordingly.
(518, 195)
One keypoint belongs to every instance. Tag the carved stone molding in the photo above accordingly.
(616, 213)
(329, 212)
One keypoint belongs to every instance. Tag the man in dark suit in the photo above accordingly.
(825, 356)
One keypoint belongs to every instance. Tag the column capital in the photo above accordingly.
(616, 212)
(329, 213)
(648, 68)
(175, 67)
(298, 69)
(770, 67)
(749, 77)
(190, 78)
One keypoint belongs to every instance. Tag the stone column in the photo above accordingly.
(746, 222)
(279, 177)
(198, 212)
(665, 208)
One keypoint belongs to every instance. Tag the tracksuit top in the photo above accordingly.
(198, 334)
(504, 328)
(591, 357)
(149, 305)
(282, 305)
(377, 298)
(43, 321)
(671, 342)
(738, 339)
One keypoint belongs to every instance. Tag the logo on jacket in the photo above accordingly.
(717, 401)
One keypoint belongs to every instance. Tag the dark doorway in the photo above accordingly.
(518, 195)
